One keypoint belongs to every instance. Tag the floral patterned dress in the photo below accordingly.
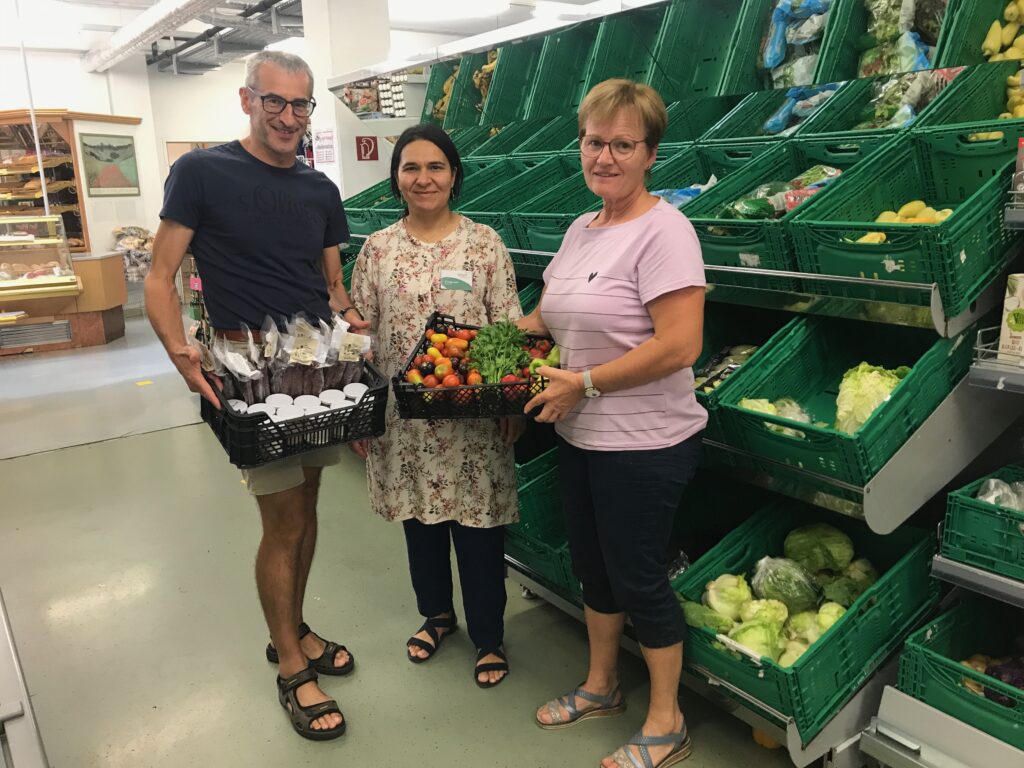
(436, 471)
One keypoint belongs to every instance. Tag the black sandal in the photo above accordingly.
(302, 717)
(492, 666)
(431, 627)
(324, 663)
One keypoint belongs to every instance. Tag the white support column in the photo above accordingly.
(342, 35)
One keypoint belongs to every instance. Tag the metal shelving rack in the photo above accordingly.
(20, 744)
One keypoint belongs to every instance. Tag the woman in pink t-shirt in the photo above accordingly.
(624, 299)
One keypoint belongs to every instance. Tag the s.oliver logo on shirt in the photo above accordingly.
(274, 203)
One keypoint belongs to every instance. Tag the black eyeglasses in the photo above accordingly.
(274, 104)
(622, 149)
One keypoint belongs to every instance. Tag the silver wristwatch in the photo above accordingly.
(588, 386)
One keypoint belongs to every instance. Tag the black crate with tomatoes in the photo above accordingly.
(462, 371)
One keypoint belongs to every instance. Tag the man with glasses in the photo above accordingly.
(264, 229)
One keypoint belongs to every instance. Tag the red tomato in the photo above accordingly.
(431, 381)
(544, 346)
(473, 378)
(451, 380)
(537, 354)
(465, 334)
(438, 345)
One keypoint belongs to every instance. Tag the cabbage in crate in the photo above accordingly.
(777, 578)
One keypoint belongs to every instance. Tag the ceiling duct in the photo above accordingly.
(135, 36)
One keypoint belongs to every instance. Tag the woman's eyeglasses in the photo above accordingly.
(622, 149)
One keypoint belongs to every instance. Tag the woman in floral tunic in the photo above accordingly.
(445, 480)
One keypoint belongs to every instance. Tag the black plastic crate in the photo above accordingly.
(251, 441)
(469, 401)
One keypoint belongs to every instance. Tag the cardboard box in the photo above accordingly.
(1011, 333)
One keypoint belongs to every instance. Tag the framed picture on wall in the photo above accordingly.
(110, 165)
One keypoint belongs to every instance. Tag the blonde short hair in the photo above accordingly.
(606, 99)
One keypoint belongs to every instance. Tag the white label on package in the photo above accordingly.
(307, 342)
(750, 260)
(456, 280)
(351, 346)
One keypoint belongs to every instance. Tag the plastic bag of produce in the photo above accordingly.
(816, 176)
(807, 31)
(261, 384)
(911, 53)
(782, 579)
(786, 14)
(680, 197)
(1003, 494)
(799, 71)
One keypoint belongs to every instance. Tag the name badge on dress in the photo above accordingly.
(456, 280)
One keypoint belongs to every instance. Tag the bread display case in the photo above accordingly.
(35, 260)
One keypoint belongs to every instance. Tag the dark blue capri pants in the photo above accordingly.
(619, 508)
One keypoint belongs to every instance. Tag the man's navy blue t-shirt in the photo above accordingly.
(260, 232)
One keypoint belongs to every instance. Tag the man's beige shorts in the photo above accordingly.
(287, 473)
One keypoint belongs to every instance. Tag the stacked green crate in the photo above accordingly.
(807, 364)
(440, 72)
(494, 205)
(624, 46)
(511, 83)
(690, 119)
(537, 543)
(945, 169)
(346, 274)
(833, 669)
(692, 48)
(759, 243)
(505, 139)
(465, 100)
(984, 534)
(556, 135)
(932, 668)
(469, 138)
(968, 23)
(743, 71)
(976, 96)
(360, 208)
(530, 296)
(727, 327)
(562, 73)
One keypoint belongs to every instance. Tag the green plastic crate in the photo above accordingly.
(511, 83)
(842, 47)
(565, 58)
(930, 668)
(745, 123)
(743, 72)
(808, 362)
(469, 138)
(508, 137)
(764, 244)
(466, 101)
(728, 326)
(555, 135)
(359, 209)
(625, 46)
(836, 119)
(494, 206)
(985, 535)
(677, 73)
(821, 681)
(346, 274)
(968, 25)
(690, 119)
(538, 540)
(978, 95)
(440, 71)
(530, 296)
(946, 170)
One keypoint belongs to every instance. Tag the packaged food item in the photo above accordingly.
(1011, 333)
(816, 176)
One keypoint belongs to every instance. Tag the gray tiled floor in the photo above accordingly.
(126, 567)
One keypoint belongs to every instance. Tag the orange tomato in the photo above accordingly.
(459, 343)
(464, 334)
(431, 381)
(438, 345)
(451, 380)
(442, 360)
(474, 377)
(414, 377)
(453, 352)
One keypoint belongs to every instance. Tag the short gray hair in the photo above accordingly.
(286, 61)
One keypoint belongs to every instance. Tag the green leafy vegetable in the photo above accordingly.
(786, 581)
(727, 594)
(760, 638)
(765, 612)
(804, 627)
(861, 391)
(819, 547)
(829, 614)
(498, 351)
(698, 615)
(794, 650)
